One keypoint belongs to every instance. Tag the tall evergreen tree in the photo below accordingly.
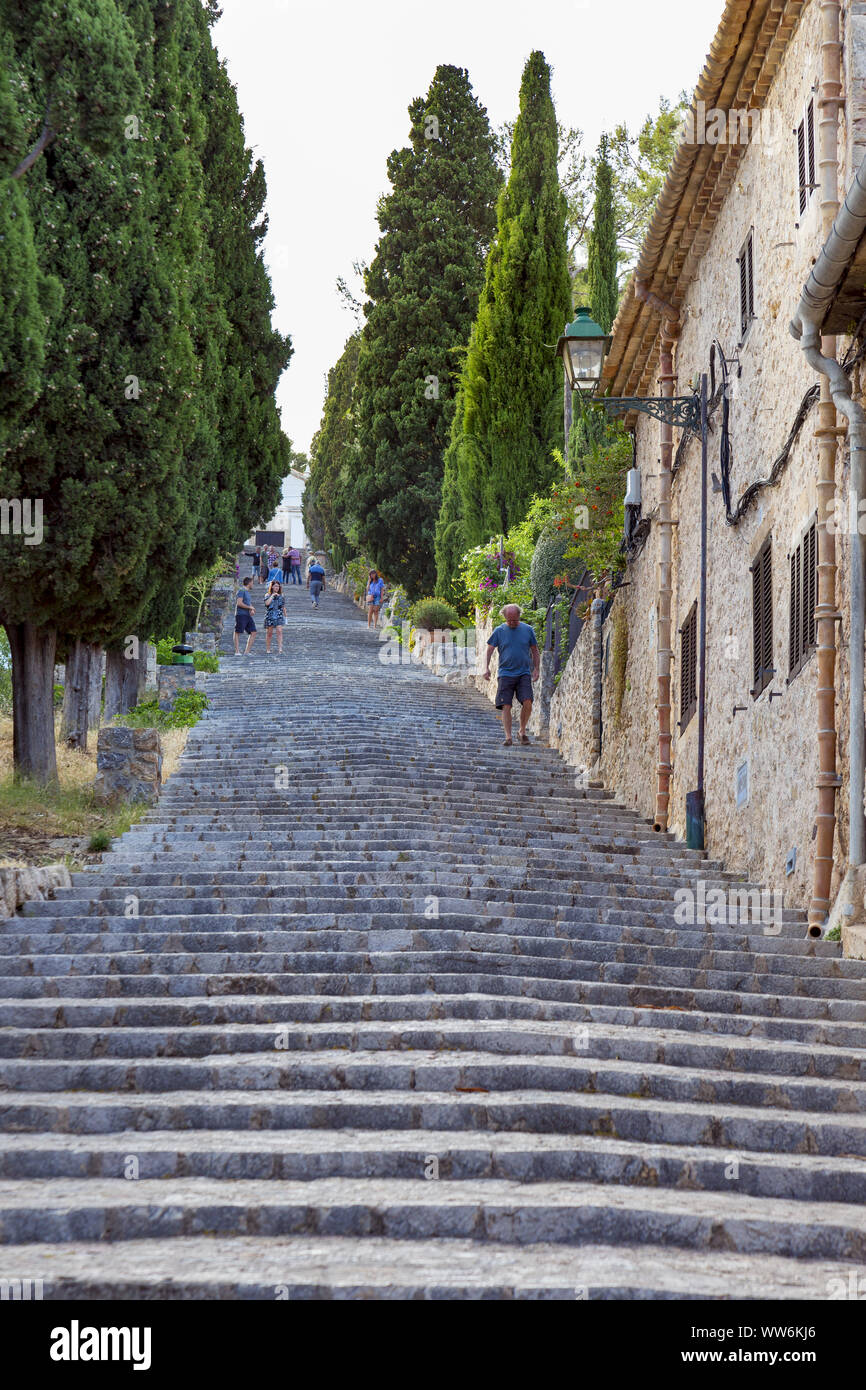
(135, 414)
(423, 286)
(511, 382)
(333, 459)
(451, 542)
(602, 256)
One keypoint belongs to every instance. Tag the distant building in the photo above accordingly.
(288, 516)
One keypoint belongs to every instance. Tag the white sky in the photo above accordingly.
(324, 88)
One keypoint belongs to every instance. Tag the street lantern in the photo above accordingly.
(583, 346)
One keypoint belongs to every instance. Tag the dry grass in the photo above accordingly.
(39, 824)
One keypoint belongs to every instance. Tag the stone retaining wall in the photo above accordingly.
(129, 764)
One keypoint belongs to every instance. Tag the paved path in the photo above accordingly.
(418, 1024)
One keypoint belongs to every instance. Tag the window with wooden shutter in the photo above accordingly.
(803, 598)
(806, 169)
(762, 619)
(746, 265)
(689, 667)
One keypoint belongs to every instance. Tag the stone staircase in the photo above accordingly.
(418, 1024)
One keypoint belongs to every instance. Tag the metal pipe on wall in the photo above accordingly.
(664, 566)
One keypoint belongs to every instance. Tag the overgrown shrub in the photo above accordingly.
(205, 661)
(163, 650)
(549, 562)
(434, 614)
(188, 709)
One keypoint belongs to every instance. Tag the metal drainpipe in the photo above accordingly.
(670, 332)
(821, 355)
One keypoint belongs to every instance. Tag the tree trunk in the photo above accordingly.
(81, 694)
(94, 702)
(33, 649)
(125, 678)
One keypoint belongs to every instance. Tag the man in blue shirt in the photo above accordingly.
(519, 663)
(315, 580)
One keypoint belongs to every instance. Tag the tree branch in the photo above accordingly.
(45, 139)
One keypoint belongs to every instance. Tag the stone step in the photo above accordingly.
(371, 1267)
(486, 1211)
(299, 1156)
(737, 1129)
(269, 1070)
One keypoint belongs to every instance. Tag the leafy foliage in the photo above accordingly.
(511, 385)
(189, 706)
(602, 251)
(423, 284)
(433, 615)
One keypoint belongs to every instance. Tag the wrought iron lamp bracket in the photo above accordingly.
(682, 411)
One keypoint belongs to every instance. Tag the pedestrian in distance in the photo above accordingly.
(244, 621)
(295, 561)
(519, 663)
(276, 616)
(275, 566)
(315, 580)
(257, 562)
(375, 594)
(287, 566)
(263, 568)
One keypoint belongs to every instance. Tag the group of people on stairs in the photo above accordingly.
(275, 603)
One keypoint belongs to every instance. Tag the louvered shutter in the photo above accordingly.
(762, 619)
(810, 580)
(802, 170)
(811, 176)
(744, 322)
(757, 639)
(767, 615)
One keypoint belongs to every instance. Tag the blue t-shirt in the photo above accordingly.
(315, 572)
(514, 644)
(244, 599)
(376, 589)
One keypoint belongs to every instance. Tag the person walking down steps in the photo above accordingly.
(276, 616)
(375, 594)
(244, 621)
(315, 580)
(519, 663)
(295, 562)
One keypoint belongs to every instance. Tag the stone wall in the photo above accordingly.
(777, 739)
(129, 765)
(171, 680)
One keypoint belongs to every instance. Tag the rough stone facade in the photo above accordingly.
(761, 758)
(129, 766)
(216, 606)
(171, 680)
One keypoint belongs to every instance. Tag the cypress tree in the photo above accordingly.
(602, 254)
(451, 543)
(79, 196)
(423, 286)
(332, 458)
(512, 381)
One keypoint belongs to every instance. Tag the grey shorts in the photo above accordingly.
(509, 686)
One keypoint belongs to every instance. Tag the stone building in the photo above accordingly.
(775, 139)
(288, 517)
